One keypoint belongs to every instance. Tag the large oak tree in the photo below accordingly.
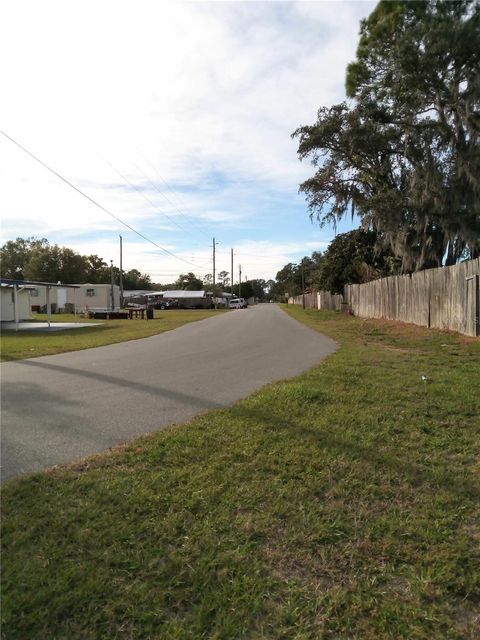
(404, 151)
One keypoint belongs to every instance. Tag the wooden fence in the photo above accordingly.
(319, 300)
(309, 298)
(330, 301)
(444, 298)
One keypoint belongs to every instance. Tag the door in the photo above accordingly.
(61, 299)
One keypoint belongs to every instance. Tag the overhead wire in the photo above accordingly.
(125, 179)
(112, 215)
(190, 221)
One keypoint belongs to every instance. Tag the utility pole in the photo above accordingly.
(213, 284)
(303, 287)
(121, 274)
(111, 287)
(239, 280)
(213, 245)
(231, 272)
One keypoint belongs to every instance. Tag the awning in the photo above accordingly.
(30, 284)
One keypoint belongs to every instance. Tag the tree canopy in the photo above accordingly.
(133, 279)
(189, 282)
(353, 258)
(293, 277)
(38, 260)
(256, 288)
(350, 258)
(15, 255)
(223, 279)
(404, 151)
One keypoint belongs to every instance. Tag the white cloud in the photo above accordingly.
(207, 93)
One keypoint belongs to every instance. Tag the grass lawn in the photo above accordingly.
(340, 504)
(29, 344)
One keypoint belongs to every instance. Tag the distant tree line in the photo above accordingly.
(36, 259)
(256, 288)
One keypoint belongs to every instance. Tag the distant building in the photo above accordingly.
(136, 296)
(186, 299)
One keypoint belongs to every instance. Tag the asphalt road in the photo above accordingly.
(60, 408)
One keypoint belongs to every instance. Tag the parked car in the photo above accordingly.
(237, 303)
(166, 304)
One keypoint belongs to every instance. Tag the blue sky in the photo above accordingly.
(175, 117)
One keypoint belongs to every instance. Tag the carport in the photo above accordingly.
(30, 284)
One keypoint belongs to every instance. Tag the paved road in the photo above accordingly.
(60, 408)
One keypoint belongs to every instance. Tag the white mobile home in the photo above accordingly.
(82, 297)
(95, 296)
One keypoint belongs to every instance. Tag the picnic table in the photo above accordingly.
(137, 312)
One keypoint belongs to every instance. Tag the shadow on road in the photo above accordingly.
(184, 398)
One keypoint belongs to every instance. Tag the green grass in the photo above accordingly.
(30, 344)
(341, 504)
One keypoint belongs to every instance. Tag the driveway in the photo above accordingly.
(60, 408)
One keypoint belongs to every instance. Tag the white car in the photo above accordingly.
(237, 303)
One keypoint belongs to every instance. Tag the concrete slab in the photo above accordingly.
(43, 326)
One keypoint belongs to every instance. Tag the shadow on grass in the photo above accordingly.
(415, 474)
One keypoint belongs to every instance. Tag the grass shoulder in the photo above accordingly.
(30, 344)
(343, 503)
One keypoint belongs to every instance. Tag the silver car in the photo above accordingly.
(237, 303)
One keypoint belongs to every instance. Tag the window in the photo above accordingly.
(90, 293)
(34, 293)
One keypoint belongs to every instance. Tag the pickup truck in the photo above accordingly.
(166, 304)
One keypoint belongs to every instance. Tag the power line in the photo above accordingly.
(125, 179)
(172, 192)
(125, 224)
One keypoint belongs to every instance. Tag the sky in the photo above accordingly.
(174, 117)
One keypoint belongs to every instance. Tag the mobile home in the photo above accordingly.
(81, 298)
